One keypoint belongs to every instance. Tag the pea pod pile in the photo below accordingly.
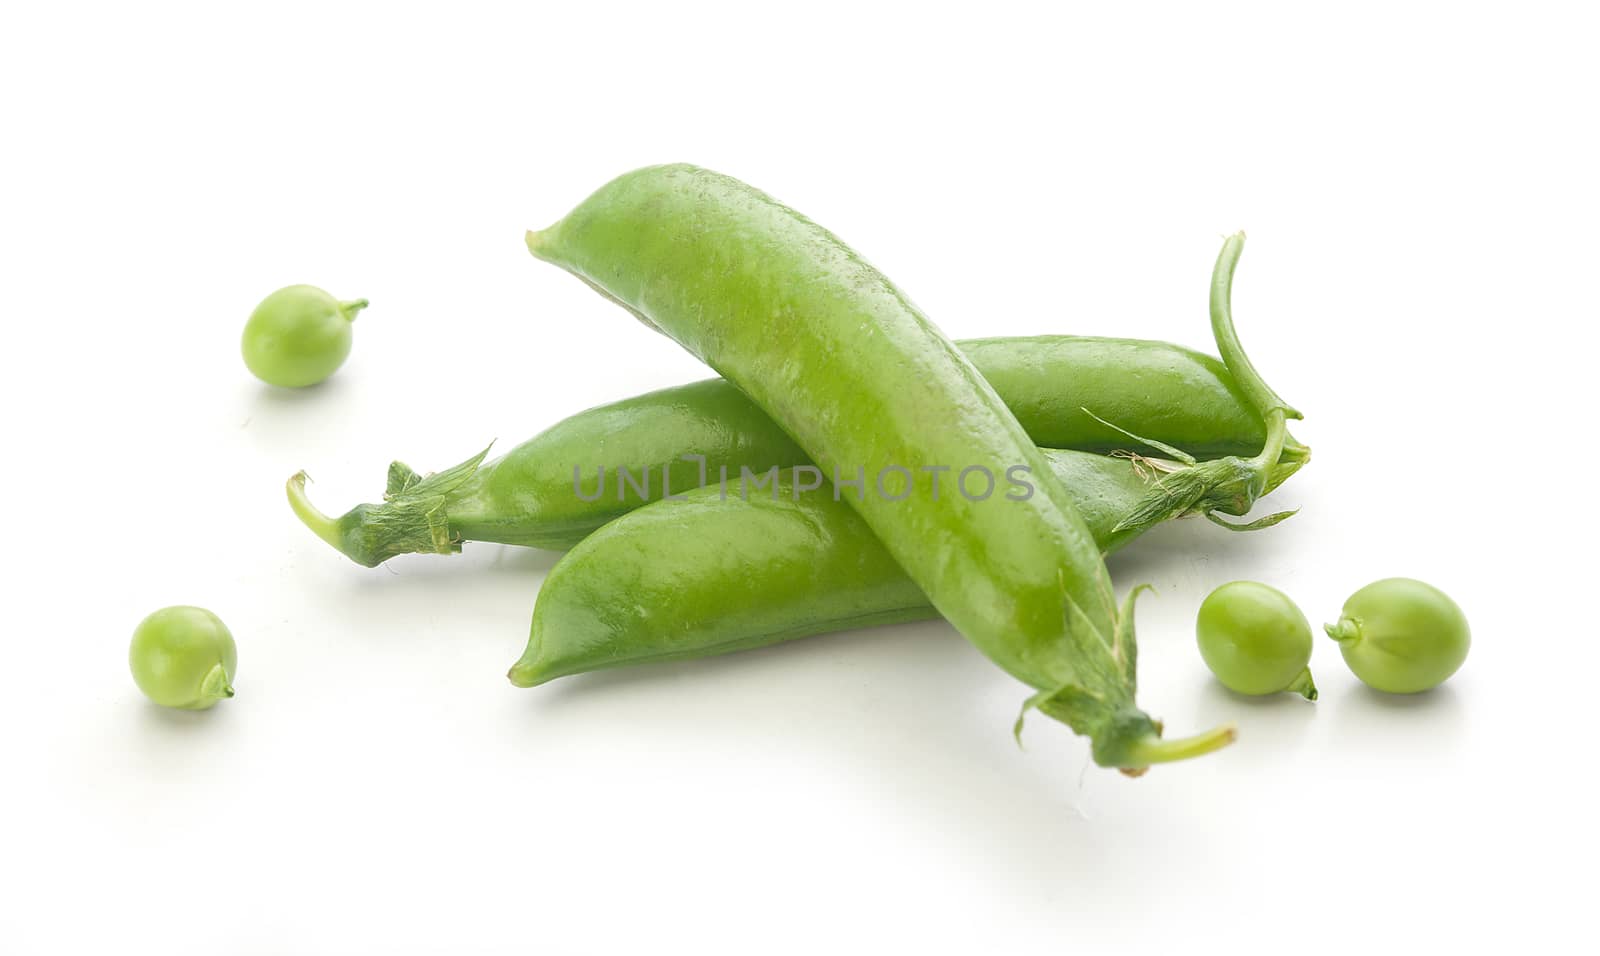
(864, 383)
(829, 372)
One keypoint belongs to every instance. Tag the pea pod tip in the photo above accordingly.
(524, 675)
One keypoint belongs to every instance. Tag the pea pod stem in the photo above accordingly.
(1277, 430)
(1227, 337)
(413, 516)
(1228, 485)
(1274, 411)
(322, 525)
(1149, 750)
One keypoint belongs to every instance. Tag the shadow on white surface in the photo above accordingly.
(474, 561)
(1404, 725)
(915, 719)
(272, 398)
(1441, 703)
(1271, 726)
(167, 724)
(169, 744)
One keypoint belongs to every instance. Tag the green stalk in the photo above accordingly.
(1244, 371)
(310, 515)
(1152, 750)
(412, 518)
(1228, 485)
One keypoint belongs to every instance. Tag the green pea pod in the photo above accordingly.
(719, 572)
(864, 383)
(690, 433)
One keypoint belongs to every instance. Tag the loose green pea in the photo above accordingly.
(1402, 636)
(1255, 640)
(183, 657)
(298, 336)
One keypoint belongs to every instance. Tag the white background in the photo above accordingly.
(1420, 188)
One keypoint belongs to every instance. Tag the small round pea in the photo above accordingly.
(183, 657)
(1255, 640)
(1402, 636)
(298, 336)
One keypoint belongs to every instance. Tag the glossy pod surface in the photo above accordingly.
(1175, 395)
(708, 575)
(849, 368)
